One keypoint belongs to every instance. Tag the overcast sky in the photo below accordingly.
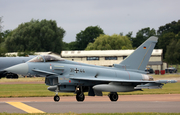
(113, 16)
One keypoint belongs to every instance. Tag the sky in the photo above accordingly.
(113, 16)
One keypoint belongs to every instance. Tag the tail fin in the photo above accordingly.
(140, 57)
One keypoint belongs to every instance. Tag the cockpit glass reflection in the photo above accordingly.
(49, 58)
(46, 58)
(37, 59)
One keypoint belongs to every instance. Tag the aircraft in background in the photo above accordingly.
(6, 62)
(68, 76)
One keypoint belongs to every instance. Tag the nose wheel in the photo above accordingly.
(56, 98)
(113, 96)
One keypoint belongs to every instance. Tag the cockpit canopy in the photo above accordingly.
(46, 58)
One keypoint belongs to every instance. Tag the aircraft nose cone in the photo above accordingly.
(19, 69)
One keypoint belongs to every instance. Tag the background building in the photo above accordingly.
(35, 53)
(106, 57)
(110, 57)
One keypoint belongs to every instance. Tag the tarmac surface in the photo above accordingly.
(166, 103)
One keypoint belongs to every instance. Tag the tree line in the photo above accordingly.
(44, 35)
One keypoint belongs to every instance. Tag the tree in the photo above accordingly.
(106, 42)
(73, 45)
(87, 36)
(65, 46)
(6, 33)
(129, 34)
(142, 35)
(1, 29)
(177, 52)
(36, 36)
(172, 55)
(2, 49)
(1, 26)
(169, 27)
(3, 52)
(164, 41)
(167, 34)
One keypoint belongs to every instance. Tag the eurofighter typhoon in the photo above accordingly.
(67, 76)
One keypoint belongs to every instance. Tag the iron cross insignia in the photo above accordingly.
(76, 70)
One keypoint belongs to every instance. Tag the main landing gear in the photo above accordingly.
(80, 97)
(113, 96)
(79, 94)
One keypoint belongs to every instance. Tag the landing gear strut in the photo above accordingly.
(113, 96)
(56, 97)
(79, 94)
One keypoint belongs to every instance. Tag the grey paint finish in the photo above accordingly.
(6, 62)
(23, 67)
(140, 57)
(68, 76)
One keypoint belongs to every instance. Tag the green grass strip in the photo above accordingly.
(40, 90)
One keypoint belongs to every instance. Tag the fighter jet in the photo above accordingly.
(6, 62)
(69, 76)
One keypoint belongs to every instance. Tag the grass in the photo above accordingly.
(33, 79)
(89, 113)
(27, 90)
(167, 76)
(40, 90)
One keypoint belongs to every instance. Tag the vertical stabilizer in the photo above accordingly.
(140, 57)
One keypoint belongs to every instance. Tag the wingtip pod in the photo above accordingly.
(153, 38)
(166, 81)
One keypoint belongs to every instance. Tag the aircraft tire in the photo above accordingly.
(15, 76)
(56, 98)
(9, 76)
(80, 97)
(113, 96)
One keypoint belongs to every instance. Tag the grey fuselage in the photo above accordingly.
(6, 62)
(67, 70)
(69, 76)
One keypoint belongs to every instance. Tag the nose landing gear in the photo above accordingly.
(56, 98)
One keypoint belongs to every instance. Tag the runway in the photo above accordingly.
(126, 103)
